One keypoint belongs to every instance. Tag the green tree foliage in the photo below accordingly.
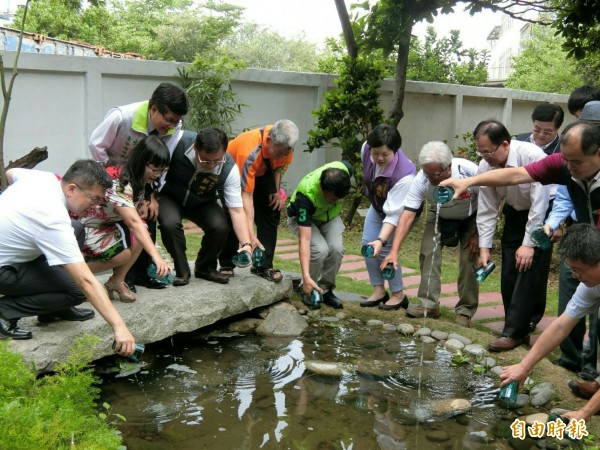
(53, 411)
(260, 48)
(444, 60)
(543, 64)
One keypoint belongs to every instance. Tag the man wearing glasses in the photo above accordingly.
(42, 270)
(577, 166)
(547, 118)
(581, 249)
(200, 173)
(525, 266)
(456, 225)
(120, 131)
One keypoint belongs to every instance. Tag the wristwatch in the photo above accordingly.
(383, 241)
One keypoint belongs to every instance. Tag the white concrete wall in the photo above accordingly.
(58, 101)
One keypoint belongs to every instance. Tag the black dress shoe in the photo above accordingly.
(370, 303)
(72, 314)
(211, 275)
(330, 299)
(10, 329)
(403, 304)
(131, 286)
(150, 283)
(182, 281)
(567, 365)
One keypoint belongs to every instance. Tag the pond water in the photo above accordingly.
(226, 391)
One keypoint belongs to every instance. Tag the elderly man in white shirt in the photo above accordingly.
(525, 266)
(456, 225)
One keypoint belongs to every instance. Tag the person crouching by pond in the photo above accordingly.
(387, 175)
(125, 205)
(201, 171)
(314, 216)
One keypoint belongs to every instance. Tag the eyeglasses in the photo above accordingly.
(93, 198)
(436, 175)
(210, 161)
(485, 154)
(577, 274)
(169, 120)
(541, 132)
(156, 171)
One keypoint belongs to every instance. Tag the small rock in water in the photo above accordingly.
(423, 332)
(244, 325)
(522, 400)
(388, 327)
(460, 338)
(406, 329)
(439, 335)
(356, 321)
(537, 417)
(454, 345)
(428, 340)
(437, 436)
(480, 436)
(378, 368)
(329, 369)
(448, 407)
(181, 368)
(497, 370)
(374, 323)
(329, 319)
(487, 362)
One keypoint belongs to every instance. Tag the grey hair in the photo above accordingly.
(435, 152)
(284, 133)
(582, 243)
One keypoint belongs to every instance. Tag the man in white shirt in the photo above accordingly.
(42, 270)
(581, 250)
(456, 224)
(525, 266)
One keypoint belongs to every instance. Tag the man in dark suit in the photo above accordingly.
(547, 119)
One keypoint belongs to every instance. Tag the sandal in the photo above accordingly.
(226, 271)
(270, 274)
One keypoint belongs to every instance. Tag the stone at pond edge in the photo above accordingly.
(282, 322)
(541, 394)
(480, 436)
(245, 325)
(388, 327)
(374, 323)
(423, 332)
(448, 407)
(428, 340)
(460, 338)
(522, 400)
(406, 329)
(474, 349)
(329, 369)
(439, 335)
(454, 345)
(537, 417)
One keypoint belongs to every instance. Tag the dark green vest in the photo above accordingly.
(189, 187)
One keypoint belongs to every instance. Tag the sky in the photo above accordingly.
(318, 19)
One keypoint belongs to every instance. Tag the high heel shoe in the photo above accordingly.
(122, 290)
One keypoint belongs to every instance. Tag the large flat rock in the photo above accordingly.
(156, 315)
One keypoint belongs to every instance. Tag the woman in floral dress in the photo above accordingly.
(125, 205)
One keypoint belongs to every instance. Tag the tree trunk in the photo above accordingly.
(354, 206)
(351, 44)
(30, 160)
(396, 113)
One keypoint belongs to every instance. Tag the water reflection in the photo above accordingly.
(251, 392)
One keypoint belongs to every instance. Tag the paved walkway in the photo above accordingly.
(490, 312)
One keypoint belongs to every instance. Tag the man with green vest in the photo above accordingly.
(314, 216)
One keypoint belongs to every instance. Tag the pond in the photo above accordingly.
(226, 391)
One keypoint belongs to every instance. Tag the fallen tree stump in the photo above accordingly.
(30, 160)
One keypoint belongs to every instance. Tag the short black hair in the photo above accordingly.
(150, 150)
(385, 134)
(494, 130)
(86, 173)
(211, 140)
(168, 97)
(337, 181)
(580, 96)
(590, 136)
(548, 112)
(581, 242)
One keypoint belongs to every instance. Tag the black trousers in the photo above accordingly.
(266, 221)
(523, 293)
(139, 270)
(210, 217)
(34, 287)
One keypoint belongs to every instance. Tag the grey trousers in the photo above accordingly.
(326, 250)
(430, 260)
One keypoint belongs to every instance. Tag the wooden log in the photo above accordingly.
(30, 160)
